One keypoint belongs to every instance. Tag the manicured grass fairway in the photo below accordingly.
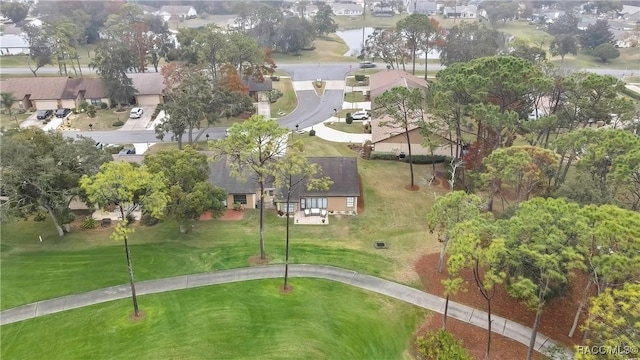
(319, 320)
(87, 260)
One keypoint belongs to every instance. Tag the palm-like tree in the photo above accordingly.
(6, 99)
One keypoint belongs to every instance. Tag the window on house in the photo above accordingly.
(290, 208)
(270, 192)
(95, 101)
(350, 201)
(240, 198)
(313, 203)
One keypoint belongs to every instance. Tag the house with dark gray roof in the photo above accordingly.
(340, 198)
(259, 89)
(150, 86)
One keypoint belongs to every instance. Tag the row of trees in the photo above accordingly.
(487, 100)
(597, 39)
(534, 252)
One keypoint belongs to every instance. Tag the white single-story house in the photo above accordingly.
(461, 12)
(169, 12)
(347, 10)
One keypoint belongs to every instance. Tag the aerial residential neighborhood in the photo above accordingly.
(347, 179)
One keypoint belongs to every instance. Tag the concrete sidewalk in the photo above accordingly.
(329, 134)
(405, 293)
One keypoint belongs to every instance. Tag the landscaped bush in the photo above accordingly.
(349, 119)
(114, 149)
(83, 106)
(89, 223)
(148, 220)
(74, 111)
(367, 128)
(91, 111)
(440, 346)
(379, 155)
(274, 95)
(104, 106)
(426, 159)
(360, 77)
(312, 132)
(117, 123)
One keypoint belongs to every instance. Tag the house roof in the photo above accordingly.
(13, 41)
(220, 175)
(351, 7)
(253, 85)
(460, 9)
(379, 132)
(421, 6)
(39, 88)
(175, 10)
(92, 88)
(150, 83)
(342, 170)
(387, 79)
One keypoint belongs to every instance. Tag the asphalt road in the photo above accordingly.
(311, 109)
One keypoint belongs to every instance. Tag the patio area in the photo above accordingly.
(299, 218)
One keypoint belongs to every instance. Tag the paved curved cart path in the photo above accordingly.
(405, 293)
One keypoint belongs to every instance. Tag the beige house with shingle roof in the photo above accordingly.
(150, 86)
(48, 93)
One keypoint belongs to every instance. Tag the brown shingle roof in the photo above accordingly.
(38, 88)
(388, 79)
(53, 88)
(151, 83)
(92, 88)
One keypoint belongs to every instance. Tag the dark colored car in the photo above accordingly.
(62, 113)
(44, 114)
(127, 152)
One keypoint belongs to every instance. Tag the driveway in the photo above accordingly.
(142, 122)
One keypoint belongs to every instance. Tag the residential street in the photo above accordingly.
(311, 110)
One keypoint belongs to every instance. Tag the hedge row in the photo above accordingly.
(417, 159)
(630, 93)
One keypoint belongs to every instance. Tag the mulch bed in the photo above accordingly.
(557, 316)
(474, 339)
(229, 215)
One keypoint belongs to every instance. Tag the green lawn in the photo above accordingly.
(354, 128)
(330, 48)
(88, 259)
(522, 30)
(13, 121)
(319, 320)
(355, 96)
(349, 22)
(103, 121)
(288, 102)
(628, 60)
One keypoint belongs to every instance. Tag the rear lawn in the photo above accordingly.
(628, 60)
(103, 121)
(354, 128)
(319, 320)
(288, 102)
(88, 259)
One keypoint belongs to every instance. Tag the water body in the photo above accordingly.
(353, 39)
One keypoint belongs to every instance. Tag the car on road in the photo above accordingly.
(130, 151)
(367, 64)
(136, 113)
(360, 115)
(44, 114)
(62, 113)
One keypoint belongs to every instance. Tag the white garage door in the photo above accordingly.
(45, 104)
(148, 99)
